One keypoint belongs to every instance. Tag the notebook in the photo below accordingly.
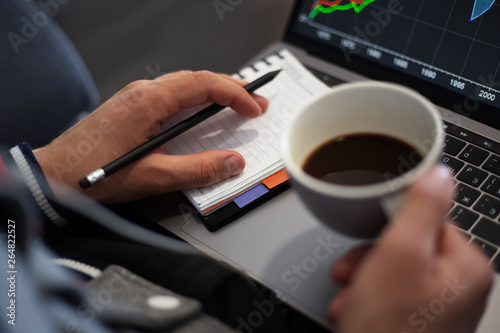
(257, 140)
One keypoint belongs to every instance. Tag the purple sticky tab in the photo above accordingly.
(252, 194)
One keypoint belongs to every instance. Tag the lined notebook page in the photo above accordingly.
(257, 139)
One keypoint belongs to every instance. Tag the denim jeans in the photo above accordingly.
(44, 83)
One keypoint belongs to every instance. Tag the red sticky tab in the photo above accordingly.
(4, 174)
(276, 179)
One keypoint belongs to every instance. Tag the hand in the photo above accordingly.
(421, 275)
(133, 116)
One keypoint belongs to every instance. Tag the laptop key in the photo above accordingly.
(452, 146)
(472, 176)
(492, 164)
(488, 249)
(488, 230)
(465, 195)
(492, 186)
(488, 206)
(453, 164)
(471, 137)
(327, 79)
(460, 132)
(474, 155)
(463, 217)
(466, 235)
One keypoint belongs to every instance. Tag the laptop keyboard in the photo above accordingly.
(474, 162)
(327, 79)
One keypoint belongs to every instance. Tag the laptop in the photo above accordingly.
(449, 51)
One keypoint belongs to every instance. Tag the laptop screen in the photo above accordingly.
(449, 50)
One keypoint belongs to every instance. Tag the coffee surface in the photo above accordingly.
(361, 159)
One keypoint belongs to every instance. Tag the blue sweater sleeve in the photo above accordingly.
(47, 83)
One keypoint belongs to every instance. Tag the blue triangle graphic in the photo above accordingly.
(481, 7)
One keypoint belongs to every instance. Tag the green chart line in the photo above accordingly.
(326, 10)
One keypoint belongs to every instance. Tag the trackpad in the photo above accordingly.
(283, 246)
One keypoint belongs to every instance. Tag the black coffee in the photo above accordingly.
(361, 159)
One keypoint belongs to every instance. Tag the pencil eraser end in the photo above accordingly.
(84, 183)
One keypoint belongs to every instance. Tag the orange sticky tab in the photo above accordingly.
(276, 179)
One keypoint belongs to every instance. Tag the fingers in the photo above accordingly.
(197, 170)
(174, 74)
(345, 268)
(262, 101)
(336, 306)
(241, 82)
(419, 223)
(465, 259)
(181, 73)
(192, 89)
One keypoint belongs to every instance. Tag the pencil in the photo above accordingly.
(166, 136)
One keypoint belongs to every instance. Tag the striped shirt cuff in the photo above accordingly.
(33, 176)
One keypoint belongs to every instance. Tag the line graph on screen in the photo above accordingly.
(326, 7)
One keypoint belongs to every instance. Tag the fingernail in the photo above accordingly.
(234, 166)
(440, 179)
(444, 171)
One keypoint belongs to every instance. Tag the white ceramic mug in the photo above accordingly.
(364, 107)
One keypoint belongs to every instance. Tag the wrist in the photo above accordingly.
(54, 170)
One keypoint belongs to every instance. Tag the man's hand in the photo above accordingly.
(420, 276)
(135, 115)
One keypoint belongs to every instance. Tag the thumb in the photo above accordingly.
(421, 218)
(201, 169)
